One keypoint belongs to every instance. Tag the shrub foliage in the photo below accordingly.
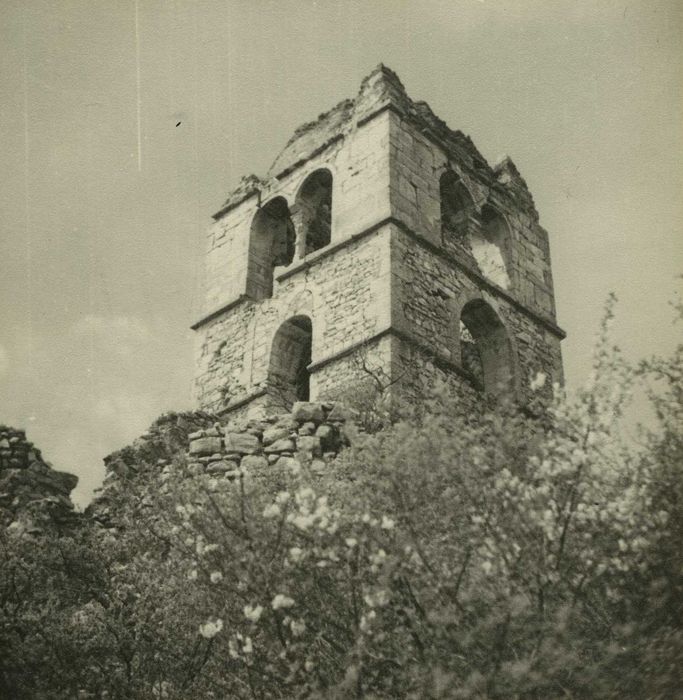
(452, 555)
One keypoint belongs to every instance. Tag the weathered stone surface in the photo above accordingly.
(282, 445)
(288, 464)
(309, 445)
(286, 421)
(305, 411)
(307, 429)
(254, 463)
(242, 443)
(206, 446)
(462, 231)
(275, 433)
(34, 497)
(220, 467)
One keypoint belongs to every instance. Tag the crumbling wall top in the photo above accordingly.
(380, 90)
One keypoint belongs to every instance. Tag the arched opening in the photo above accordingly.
(457, 205)
(290, 355)
(485, 348)
(271, 243)
(489, 246)
(314, 210)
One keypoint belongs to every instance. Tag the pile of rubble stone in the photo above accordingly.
(33, 495)
(311, 434)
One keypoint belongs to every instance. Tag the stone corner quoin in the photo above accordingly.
(380, 238)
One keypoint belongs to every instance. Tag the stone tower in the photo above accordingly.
(380, 239)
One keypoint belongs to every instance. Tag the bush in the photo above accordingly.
(453, 556)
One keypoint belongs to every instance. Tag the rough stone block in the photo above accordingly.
(254, 463)
(283, 445)
(304, 411)
(242, 443)
(289, 464)
(273, 434)
(221, 467)
(205, 446)
(286, 421)
(307, 429)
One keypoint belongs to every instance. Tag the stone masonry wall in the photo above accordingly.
(428, 296)
(417, 164)
(345, 295)
(360, 198)
(393, 281)
(33, 496)
(310, 435)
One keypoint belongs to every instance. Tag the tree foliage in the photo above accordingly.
(480, 555)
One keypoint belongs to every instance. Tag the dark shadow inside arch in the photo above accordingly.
(314, 210)
(271, 243)
(485, 349)
(457, 205)
(290, 355)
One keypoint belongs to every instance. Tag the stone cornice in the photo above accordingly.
(439, 360)
(233, 205)
(220, 310)
(481, 281)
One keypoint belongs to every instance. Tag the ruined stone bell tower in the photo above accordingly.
(379, 238)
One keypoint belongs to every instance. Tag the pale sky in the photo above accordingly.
(104, 201)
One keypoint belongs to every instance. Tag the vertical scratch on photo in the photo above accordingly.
(137, 84)
(27, 212)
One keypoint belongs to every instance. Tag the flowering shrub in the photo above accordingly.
(494, 555)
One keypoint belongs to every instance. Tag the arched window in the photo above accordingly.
(490, 244)
(290, 355)
(271, 243)
(485, 349)
(457, 205)
(314, 210)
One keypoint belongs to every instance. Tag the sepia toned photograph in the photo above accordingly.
(340, 349)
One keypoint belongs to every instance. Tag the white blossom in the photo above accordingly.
(298, 627)
(211, 628)
(253, 612)
(281, 601)
(387, 523)
(271, 511)
(296, 554)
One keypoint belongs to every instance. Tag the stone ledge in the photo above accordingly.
(315, 258)
(220, 310)
(439, 360)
